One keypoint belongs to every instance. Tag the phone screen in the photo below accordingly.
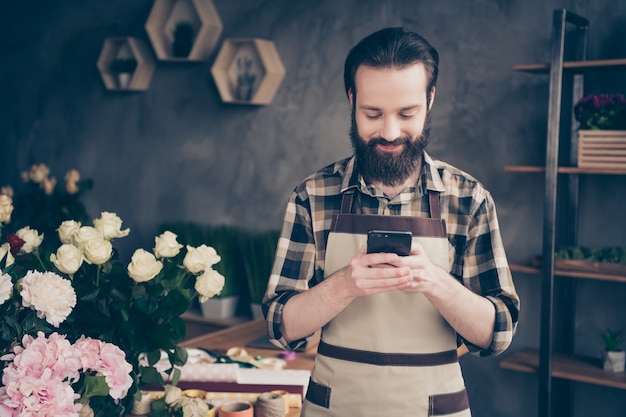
(389, 241)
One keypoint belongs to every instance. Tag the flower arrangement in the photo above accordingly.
(78, 297)
(601, 112)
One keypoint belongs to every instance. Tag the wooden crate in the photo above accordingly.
(602, 149)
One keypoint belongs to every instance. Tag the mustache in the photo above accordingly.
(372, 142)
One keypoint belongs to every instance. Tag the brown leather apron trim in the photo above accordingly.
(318, 394)
(362, 223)
(344, 222)
(444, 404)
(387, 359)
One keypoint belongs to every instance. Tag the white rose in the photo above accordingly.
(5, 250)
(67, 230)
(143, 266)
(6, 287)
(84, 234)
(7, 190)
(195, 407)
(50, 295)
(6, 208)
(166, 245)
(200, 259)
(32, 239)
(173, 394)
(98, 251)
(109, 224)
(209, 284)
(67, 259)
(48, 184)
(37, 173)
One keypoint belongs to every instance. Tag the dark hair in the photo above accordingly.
(391, 48)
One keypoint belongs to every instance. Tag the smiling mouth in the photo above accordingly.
(389, 147)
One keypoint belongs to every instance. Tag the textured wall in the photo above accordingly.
(175, 152)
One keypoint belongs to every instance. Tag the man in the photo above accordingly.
(390, 324)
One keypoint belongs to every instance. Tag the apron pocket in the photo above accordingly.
(443, 404)
(318, 394)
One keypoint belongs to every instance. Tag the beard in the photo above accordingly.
(389, 168)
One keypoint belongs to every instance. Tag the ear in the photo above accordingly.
(432, 98)
(350, 98)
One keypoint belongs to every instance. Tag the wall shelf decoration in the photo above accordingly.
(248, 71)
(200, 15)
(125, 48)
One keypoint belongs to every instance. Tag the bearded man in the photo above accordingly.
(390, 325)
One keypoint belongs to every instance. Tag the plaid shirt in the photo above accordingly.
(476, 251)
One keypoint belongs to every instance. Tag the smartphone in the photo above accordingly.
(389, 241)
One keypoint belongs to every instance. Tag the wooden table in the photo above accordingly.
(241, 335)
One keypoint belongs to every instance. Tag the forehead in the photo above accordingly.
(383, 86)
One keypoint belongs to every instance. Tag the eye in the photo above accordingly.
(406, 115)
(373, 116)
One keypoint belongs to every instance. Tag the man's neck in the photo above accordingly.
(393, 190)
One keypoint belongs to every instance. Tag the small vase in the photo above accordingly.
(220, 307)
(123, 80)
(257, 310)
(614, 361)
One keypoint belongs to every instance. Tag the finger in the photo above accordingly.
(416, 248)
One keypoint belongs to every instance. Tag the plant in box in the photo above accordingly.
(602, 131)
(613, 355)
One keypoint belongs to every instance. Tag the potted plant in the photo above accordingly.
(123, 68)
(602, 130)
(257, 255)
(613, 355)
(183, 39)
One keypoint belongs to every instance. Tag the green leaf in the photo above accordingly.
(95, 386)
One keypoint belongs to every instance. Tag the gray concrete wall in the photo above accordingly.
(177, 153)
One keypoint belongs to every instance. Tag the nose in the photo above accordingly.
(390, 129)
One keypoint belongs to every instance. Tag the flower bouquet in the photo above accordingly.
(76, 318)
(601, 112)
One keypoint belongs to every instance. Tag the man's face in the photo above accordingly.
(390, 122)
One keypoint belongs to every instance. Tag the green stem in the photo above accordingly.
(36, 253)
(98, 276)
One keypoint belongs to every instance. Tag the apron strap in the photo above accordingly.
(387, 359)
(346, 202)
(433, 202)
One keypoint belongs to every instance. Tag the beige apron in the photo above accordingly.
(389, 354)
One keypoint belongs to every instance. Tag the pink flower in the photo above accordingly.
(115, 370)
(38, 380)
(108, 360)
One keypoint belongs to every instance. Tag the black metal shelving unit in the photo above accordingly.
(566, 84)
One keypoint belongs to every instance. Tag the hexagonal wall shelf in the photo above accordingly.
(198, 21)
(248, 71)
(126, 48)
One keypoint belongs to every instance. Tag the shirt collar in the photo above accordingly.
(352, 179)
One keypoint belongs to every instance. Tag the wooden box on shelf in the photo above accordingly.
(202, 21)
(115, 48)
(602, 149)
(248, 71)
